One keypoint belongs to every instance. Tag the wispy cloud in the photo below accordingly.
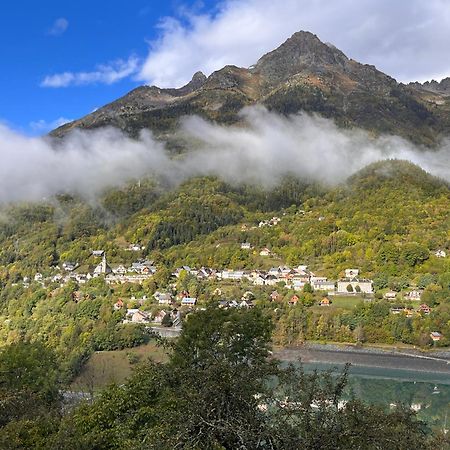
(103, 74)
(394, 36)
(43, 126)
(59, 27)
(268, 148)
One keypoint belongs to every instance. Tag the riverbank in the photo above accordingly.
(371, 357)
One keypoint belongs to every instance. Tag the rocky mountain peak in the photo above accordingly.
(303, 51)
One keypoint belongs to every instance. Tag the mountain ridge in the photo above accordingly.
(302, 74)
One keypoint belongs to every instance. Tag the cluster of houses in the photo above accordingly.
(137, 272)
(410, 312)
(413, 295)
(294, 278)
(274, 221)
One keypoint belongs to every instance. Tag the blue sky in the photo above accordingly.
(96, 32)
(61, 59)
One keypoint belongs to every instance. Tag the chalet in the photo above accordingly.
(294, 300)
(397, 309)
(98, 253)
(265, 252)
(83, 277)
(436, 336)
(119, 270)
(205, 273)
(118, 305)
(189, 301)
(440, 253)
(246, 246)
(69, 266)
(271, 280)
(275, 271)
(246, 304)
(38, 277)
(224, 304)
(129, 314)
(325, 302)
(180, 270)
(274, 296)
(391, 295)
(158, 317)
(414, 295)
(140, 317)
(424, 308)
(143, 266)
(259, 280)
(163, 298)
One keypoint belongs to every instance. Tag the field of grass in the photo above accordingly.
(108, 367)
(345, 302)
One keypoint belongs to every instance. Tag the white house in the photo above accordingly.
(414, 295)
(265, 252)
(189, 301)
(232, 274)
(323, 285)
(38, 277)
(440, 253)
(357, 285)
(163, 298)
(246, 246)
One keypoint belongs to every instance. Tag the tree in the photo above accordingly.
(219, 391)
(349, 288)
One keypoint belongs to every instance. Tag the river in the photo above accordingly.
(420, 380)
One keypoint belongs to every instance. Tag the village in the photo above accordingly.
(169, 302)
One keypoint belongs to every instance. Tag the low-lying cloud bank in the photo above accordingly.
(269, 147)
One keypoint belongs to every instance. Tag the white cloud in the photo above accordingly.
(104, 74)
(407, 39)
(269, 147)
(43, 126)
(59, 27)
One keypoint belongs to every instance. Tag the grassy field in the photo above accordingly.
(104, 368)
(346, 302)
(339, 301)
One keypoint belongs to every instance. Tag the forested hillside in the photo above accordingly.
(388, 221)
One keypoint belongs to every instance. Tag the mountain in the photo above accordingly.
(440, 88)
(302, 74)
